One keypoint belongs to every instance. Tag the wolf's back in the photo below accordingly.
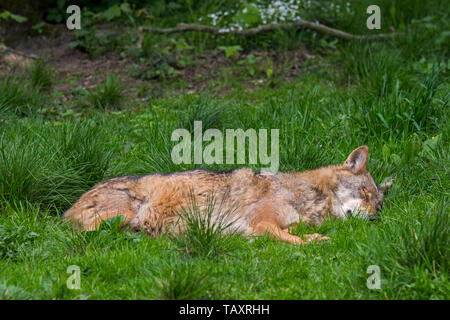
(150, 203)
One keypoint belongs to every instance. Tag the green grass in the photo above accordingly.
(40, 75)
(18, 97)
(108, 96)
(48, 165)
(205, 230)
(51, 164)
(391, 96)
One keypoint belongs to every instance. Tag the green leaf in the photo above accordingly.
(55, 15)
(38, 27)
(111, 13)
(5, 15)
(125, 7)
(249, 16)
(74, 44)
(18, 18)
(231, 51)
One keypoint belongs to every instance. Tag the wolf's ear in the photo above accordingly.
(357, 160)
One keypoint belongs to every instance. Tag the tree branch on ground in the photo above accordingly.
(298, 24)
(7, 50)
(15, 57)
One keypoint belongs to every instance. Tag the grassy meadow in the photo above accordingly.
(58, 138)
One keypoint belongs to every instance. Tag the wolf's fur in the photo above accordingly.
(257, 203)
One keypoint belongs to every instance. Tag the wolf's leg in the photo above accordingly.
(315, 237)
(276, 232)
(312, 237)
(266, 219)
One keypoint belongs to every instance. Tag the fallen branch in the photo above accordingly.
(7, 50)
(14, 57)
(183, 27)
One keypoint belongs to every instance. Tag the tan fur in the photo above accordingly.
(257, 203)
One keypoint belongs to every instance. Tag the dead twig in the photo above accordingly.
(298, 24)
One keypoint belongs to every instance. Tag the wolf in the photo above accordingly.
(255, 203)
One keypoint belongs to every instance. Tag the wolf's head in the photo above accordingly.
(356, 192)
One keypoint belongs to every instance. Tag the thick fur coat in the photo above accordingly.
(254, 203)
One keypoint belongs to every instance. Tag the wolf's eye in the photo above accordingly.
(365, 193)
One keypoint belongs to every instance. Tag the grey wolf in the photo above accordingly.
(263, 203)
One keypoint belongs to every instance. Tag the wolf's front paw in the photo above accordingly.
(315, 237)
